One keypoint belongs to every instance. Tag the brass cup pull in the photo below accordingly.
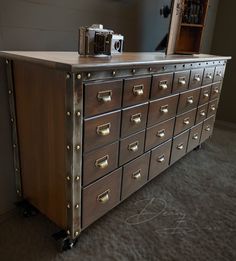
(219, 74)
(208, 128)
(186, 121)
(197, 78)
(182, 81)
(209, 76)
(161, 133)
(136, 118)
(133, 146)
(102, 163)
(103, 197)
(206, 95)
(161, 158)
(180, 146)
(195, 136)
(164, 109)
(213, 108)
(190, 100)
(138, 90)
(216, 91)
(104, 130)
(202, 113)
(137, 174)
(163, 85)
(104, 96)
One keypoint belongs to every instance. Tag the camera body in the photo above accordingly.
(97, 41)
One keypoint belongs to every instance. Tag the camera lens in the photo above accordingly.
(117, 45)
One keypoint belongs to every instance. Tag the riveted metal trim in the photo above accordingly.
(74, 104)
(15, 145)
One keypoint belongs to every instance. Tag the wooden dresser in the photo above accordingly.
(89, 132)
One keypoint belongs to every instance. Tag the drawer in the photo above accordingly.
(159, 133)
(219, 73)
(100, 162)
(134, 119)
(184, 121)
(207, 128)
(101, 130)
(135, 175)
(201, 113)
(212, 108)
(196, 76)
(205, 95)
(162, 109)
(181, 81)
(160, 157)
(208, 75)
(215, 91)
(131, 147)
(102, 97)
(161, 85)
(179, 146)
(101, 196)
(194, 137)
(188, 100)
(136, 90)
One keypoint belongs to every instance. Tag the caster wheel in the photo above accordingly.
(27, 210)
(63, 242)
(198, 147)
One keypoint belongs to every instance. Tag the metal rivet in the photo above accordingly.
(12, 120)
(14, 145)
(77, 147)
(133, 71)
(78, 113)
(113, 73)
(16, 170)
(150, 69)
(76, 233)
(88, 75)
(68, 147)
(9, 91)
(77, 178)
(68, 232)
(68, 113)
(18, 191)
(68, 205)
(78, 76)
(7, 62)
(68, 178)
(68, 76)
(163, 68)
(77, 206)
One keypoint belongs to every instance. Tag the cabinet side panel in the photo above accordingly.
(40, 109)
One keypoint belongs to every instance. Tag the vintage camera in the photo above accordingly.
(95, 40)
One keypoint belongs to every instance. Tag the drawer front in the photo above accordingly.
(208, 75)
(134, 119)
(131, 147)
(160, 157)
(100, 197)
(207, 128)
(135, 175)
(195, 78)
(184, 121)
(159, 133)
(179, 146)
(136, 90)
(215, 91)
(101, 130)
(161, 85)
(181, 81)
(100, 162)
(212, 108)
(188, 100)
(194, 137)
(201, 113)
(205, 95)
(219, 73)
(102, 97)
(162, 109)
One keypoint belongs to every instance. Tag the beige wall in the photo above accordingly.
(224, 43)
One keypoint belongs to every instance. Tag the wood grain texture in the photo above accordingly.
(40, 105)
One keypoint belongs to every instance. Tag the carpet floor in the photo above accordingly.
(188, 213)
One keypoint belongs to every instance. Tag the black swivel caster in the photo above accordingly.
(26, 209)
(198, 147)
(63, 241)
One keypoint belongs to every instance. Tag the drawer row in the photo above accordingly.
(103, 160)
(104, 194)
(106, 96)
(107, 128)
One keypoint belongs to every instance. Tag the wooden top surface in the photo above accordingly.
(73, 62)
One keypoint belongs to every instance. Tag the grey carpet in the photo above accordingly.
(187, 213)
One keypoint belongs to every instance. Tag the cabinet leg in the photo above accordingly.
(198, 147)
(63, 241)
